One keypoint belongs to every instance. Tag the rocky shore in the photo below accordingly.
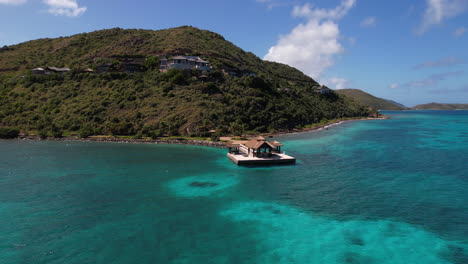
(183, 141)
(217, 144)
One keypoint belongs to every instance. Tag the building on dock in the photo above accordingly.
(258, 151)
(260, 148)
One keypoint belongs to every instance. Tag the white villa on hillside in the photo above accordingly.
(184, 63)
(50, 70)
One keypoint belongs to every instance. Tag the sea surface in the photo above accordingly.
(378, 191)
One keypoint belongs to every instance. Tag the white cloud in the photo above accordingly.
(439, 10)
(270, 4)
(369, 22)
(338, 12)
(459, 31)
(58, 7)
(338, 83)
(311, 46)
(393, 86)
(12, 2)
(64, 8)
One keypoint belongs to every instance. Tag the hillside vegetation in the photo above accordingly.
(370, 100)
(440, 106)
(279, 97)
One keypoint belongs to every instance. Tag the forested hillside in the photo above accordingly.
(150, 102)
(370, 100)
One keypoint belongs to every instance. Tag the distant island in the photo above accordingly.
(440, 106)
(370, 100)
(144, 83)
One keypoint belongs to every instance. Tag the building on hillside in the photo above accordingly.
(38, 71)
(52, 70)
(324, 90)
(132, 64)
(131, 67)
(105, 67)
(184, 63)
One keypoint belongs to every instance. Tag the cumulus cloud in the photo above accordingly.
(12, 2)
(338, 83)
(434, 79)
(311, 46)
(64, 8)
(394, 86)
(369, 22)
(336, 13)
(459, 31)
(439, 10)
(56, 7)
(443, 62)
(270, 4)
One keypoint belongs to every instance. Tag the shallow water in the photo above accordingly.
(380, 191)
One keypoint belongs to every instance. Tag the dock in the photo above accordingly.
(242, 159)
(258, 151)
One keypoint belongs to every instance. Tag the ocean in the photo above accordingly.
(376, 191)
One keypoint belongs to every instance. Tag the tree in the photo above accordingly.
(86, 131)
(152, 62)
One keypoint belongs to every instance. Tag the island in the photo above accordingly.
(440, 106)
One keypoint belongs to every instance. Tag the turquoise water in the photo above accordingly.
(380, 191)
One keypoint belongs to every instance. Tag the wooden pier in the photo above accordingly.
(242, 159)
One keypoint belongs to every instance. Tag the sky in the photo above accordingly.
(411, 52)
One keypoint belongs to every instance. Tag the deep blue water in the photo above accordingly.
(378, 191)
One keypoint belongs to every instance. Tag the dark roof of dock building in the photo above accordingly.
(258, 142)
(277, 143)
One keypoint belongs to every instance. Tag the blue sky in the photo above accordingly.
(408, 51)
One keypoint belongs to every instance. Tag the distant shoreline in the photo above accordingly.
(206, 143)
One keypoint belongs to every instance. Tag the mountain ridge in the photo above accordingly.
(370, 100)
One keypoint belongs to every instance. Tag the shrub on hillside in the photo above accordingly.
(86, 131)
(8, 132)
(42, 134)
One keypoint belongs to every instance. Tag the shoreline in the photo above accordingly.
(324, 126)
(205, 143)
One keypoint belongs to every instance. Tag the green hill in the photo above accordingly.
(439, 106)
(370, 100)
(278, 97)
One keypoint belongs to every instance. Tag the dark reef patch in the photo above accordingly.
(203, 184)
(455, 254)
(357, 241)
(355, 258)
(354, 239)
